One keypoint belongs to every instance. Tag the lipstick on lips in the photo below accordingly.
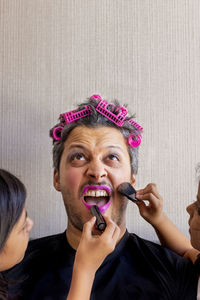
(99, 192)
(97, 202)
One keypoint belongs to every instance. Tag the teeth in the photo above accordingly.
(96, 193)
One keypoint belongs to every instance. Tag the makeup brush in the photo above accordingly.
(100, 222)
(127, 190)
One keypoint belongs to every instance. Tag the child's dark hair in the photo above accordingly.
(12, 201)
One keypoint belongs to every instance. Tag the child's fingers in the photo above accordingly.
(149, 197)
(87, 228)
(141, 205)
(110, 227)
(150, 188)
(150, 193)
(111, 234)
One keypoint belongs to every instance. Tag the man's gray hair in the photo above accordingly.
(95, 120)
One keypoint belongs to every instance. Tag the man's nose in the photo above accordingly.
(190, 209)
(96, 170)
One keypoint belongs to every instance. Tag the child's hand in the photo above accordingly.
(93, 249)
(153, 211)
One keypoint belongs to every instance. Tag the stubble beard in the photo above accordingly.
(76, 220)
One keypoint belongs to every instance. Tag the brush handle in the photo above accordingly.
(100, 222)
(133, 198)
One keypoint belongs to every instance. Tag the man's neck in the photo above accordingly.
(73, 236)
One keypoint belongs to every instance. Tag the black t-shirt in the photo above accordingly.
(136, 269)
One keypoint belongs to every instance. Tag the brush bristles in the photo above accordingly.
(126, 188)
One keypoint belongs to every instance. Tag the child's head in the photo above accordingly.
(14, 223)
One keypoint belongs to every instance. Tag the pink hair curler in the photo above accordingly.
(74, 115)
(132, 122)
(56, 131)
(134, 142)
(70, 117)
(117, 119)
(96, 97)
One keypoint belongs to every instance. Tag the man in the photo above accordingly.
(95, 150)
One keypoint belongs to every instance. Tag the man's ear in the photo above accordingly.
(56, 180)
(133, 180)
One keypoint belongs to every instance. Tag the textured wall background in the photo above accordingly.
(144, 53)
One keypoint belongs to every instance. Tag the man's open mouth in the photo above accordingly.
(99, 195)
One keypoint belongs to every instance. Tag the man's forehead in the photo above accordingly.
(107, 136)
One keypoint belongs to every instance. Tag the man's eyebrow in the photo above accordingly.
(84, 148)
(76, 146)
(115, 147)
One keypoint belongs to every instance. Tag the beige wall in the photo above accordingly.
(144, 53)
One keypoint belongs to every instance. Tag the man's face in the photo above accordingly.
(194, 221)
(92, 160)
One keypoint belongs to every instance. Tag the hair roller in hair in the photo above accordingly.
(134, 140)
(57, 133)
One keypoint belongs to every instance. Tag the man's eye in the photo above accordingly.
(77, 156)
(113, 157)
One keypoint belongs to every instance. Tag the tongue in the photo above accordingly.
(99, 201)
